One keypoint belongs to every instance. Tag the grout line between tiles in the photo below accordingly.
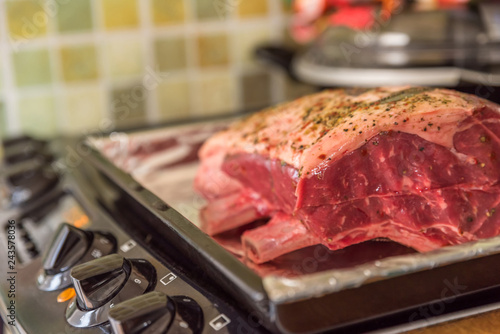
(276, 18)
(105, 83)
(10, 93)
(235, 66)
(152, 112)
(56, 87)
(192, 71)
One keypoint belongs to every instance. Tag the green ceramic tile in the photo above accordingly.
(83, 111)
(26, 19)
(166, 12)
(217, 95)
(37, 116)
(211, 10)
(74, 16)
(173, 100)
(124, 57)
(287, 6)
(79, 63)
(247, 41)
(32, 67)
(120, 14)
(256, 90)
(170, 53)
(213, 50)
(129, 106)
(252, 8)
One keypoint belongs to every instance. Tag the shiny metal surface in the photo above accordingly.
(52, 282)
(136, 284)
(282, 290)
(102, 244)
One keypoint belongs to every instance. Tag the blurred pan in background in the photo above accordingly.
(456, 47)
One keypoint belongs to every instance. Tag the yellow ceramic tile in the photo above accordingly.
(173, 100)
(165, 12)
(214, 9)
(247, 41)
(252, 8)
(213, 50)
(83, 111)
(37, 116)
(26, 19)
(124, 57)
(120, 13)
(170, 53)
(79, 63)
(217, 95)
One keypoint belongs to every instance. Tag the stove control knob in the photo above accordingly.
(27, 188)
(150, 313)
(25, 148)
(103, 283)
(188, 317)
(70, 247)
(155, 312)
(96, 282)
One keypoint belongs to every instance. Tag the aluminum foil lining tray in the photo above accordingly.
(165, 162)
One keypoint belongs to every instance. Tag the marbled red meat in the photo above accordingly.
(416, 165)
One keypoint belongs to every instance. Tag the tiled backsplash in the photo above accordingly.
(77, 66)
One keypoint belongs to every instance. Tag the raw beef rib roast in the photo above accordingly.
(419, 166)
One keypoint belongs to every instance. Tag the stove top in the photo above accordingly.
(70, 267)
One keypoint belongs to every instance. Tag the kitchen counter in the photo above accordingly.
(484, 323)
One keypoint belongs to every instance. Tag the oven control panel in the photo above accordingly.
(69, 267)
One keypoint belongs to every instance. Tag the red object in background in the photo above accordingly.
(306, 22)
(307, 11)
(311, 17)
(359, 17)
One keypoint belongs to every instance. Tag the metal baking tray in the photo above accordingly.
(364, 287)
